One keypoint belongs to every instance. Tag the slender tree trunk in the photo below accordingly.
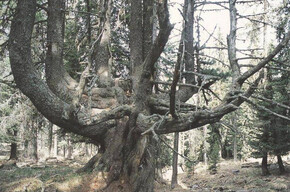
(235, 147)
(281, 166)
(13, 150)
(204, 145)
(69, 148)
(34, 143)
(26, 145)
(64, 151)
(50, 137)
(91, 150)
(55, 143)
(265, 170)
(234, 123)
(175, 161)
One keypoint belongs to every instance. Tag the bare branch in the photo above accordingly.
(186, 158)
(178, 84)
(116, 113)
(223, 2)
(209, 37)
(216, 59)
(259, 107)
(271, 101)
(218, 48)
(267, 67)
(252, 57)
(266, 60)
(203, 76)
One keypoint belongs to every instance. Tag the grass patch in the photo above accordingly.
(33, 179)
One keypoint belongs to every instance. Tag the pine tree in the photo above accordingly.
(273, 132)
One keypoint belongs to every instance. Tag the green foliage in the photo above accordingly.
(272, 133)
(9, 106)
(214, 140)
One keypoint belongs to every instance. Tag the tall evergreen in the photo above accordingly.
(272, 132)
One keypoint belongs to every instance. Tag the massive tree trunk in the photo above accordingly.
(136, 37)
(186, 52)
(123, 132)
(57, 78)
(103, 57)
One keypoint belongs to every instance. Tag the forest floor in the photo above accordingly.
(61, 176)
(231, 177)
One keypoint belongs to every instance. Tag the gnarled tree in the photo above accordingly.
(123, 130)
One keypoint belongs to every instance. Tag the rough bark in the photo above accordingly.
(57, 78)
(148, 17)
(188, 41)
(103, 57)
(136, 36)
(145, 86)
(187, 50)
(231, 40)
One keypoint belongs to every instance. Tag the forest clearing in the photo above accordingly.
(144, 95)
